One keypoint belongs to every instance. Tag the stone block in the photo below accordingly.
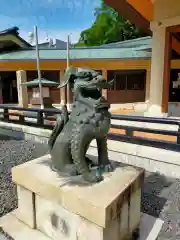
(55, 221)
(58, 223)
(70, 208)
(18, 230)
(26, 206)
(135, 210)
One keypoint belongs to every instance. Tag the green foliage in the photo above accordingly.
(108, 27)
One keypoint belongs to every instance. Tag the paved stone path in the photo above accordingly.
(150, 227)
(161, 199)
(2, 237)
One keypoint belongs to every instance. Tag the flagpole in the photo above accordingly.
(67, 65)
(68, 53)
(38, 67)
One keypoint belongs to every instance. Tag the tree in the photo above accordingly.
(108, 27)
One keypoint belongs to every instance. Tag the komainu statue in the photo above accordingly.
(88, 120)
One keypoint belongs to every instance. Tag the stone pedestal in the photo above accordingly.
(59, 207)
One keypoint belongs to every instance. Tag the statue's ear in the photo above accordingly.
(69, 77)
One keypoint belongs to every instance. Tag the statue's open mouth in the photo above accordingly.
(94, 94)
(91, 93)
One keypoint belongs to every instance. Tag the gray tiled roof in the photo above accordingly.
(138, 42)
(133, 49)
(14, 31)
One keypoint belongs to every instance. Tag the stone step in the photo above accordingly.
(2, 237)
(18, 230)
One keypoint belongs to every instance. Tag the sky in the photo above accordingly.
(54, 18)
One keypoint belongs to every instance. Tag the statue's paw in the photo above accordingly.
(93, 178)
(108, 168)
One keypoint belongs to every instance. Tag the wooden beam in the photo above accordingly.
(144, 7)
(174, 29)
(176, 35)
(175, 45)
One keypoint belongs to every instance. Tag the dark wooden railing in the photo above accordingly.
(131, 138)
(46, 118)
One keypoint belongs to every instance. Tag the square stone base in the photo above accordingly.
(68, 208)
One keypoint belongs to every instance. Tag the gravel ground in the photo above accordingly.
(160, 195)
(12, 153)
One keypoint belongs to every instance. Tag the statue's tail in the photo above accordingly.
(60, 122)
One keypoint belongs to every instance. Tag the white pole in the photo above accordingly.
(67, 65)
(38, 67)
(68, 52)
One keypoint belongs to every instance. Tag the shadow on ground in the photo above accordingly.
(7, 138)
(154, 193)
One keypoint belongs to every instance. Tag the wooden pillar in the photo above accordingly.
(104, 91)
(22, 90)
(62, 90)
(167, 67)
(160, 67)
(148, 75)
